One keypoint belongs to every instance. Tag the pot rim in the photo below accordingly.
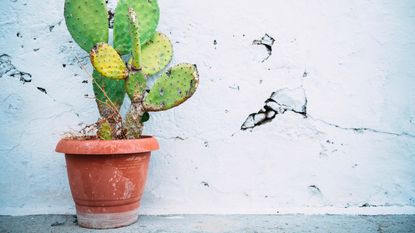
(106, 147)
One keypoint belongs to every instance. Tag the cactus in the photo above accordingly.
(148, 13)
(135, 40)
(172, 88)
(104, 130)
(151, 51)
(87, 21)
(109, 95)
(156, 54)
(107, 62)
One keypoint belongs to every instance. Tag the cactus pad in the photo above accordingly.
(87, 21)
(135, 85)
(172, 88)
(115, 91)
(104, 130)
(107, 62)
(156, 54)
(135, 39)
(148, 16)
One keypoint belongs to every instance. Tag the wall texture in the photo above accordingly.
(338, 134)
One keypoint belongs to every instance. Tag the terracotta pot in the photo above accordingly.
(107, 179)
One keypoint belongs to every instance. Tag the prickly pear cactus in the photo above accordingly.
(135, 86)
(148, 14)
(109, 95)
(135, 34)
(104, 130)
(135, 40)
(156, 54)
(87, 21)
(172, 88)
(107, 62)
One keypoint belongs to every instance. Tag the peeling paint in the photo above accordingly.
(42, 90)
(8, 69)
(279, 102)
(204, 183)
(314, 189)
(266, 41)
(51, 27)
(234, 87)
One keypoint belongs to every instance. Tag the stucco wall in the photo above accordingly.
(344, 140)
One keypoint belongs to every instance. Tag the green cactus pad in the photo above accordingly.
(87, 21)
(115, 91)
(172, 88)
(135, 85)
(135, 39)
(148, 16)
(104, 130)
(108, 62)
(156, 54)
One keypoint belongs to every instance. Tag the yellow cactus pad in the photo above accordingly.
(156, 54)
(108, 62)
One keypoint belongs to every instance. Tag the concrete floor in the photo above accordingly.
(221, 223)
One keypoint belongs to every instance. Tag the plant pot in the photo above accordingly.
(107, 178)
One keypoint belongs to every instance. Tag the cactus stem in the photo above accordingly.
(133, 124)
(135, 39)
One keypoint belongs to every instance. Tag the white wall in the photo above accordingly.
(355, 148)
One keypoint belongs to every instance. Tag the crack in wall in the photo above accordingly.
(279, 102)
(266, 41)
(360, 129)
(295, 100)
(180, 138)
(8, 69)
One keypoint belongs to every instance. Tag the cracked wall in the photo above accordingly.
(323, 94)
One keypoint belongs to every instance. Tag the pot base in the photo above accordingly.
(108, 216)
(107, 220)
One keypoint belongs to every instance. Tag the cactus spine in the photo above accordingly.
(151, 51)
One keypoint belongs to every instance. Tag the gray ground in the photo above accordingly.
(221, 223)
